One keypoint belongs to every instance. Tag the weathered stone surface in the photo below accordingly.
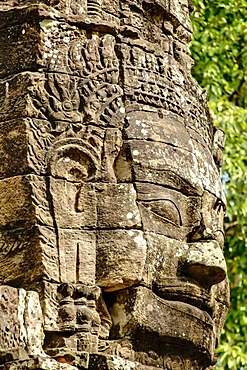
(17, 39)
(42, 363)
(145, 319)
(13, 144)
(120, 258)
(114, 363)
(74, 204)
(111, 200)
(21, 324)
(116, 206)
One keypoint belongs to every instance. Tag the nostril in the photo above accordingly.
(205, 275)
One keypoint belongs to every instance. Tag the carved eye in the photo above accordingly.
(219, 206)
(167, 210)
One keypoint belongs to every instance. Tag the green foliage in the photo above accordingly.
(219, 49)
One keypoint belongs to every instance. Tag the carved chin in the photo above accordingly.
(161, 325)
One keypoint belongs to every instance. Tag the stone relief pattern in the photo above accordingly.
(82, 103)
(154, 86)
(118, 193)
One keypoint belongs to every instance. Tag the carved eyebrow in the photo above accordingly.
(181, 184)
(185, 187)
(152, 191)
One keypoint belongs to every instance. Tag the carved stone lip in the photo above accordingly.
(187, 306)
(189, 296)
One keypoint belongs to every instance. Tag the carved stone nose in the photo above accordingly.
(205, 262)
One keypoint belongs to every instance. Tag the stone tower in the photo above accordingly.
(111, 217)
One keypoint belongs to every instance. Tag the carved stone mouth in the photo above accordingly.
(188, 296)
(198, 302)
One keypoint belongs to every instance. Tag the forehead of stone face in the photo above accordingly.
(166, 152)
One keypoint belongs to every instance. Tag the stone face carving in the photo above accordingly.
(111, 216)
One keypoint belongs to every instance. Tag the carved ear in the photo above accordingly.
(218, 146)
(73, 160)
